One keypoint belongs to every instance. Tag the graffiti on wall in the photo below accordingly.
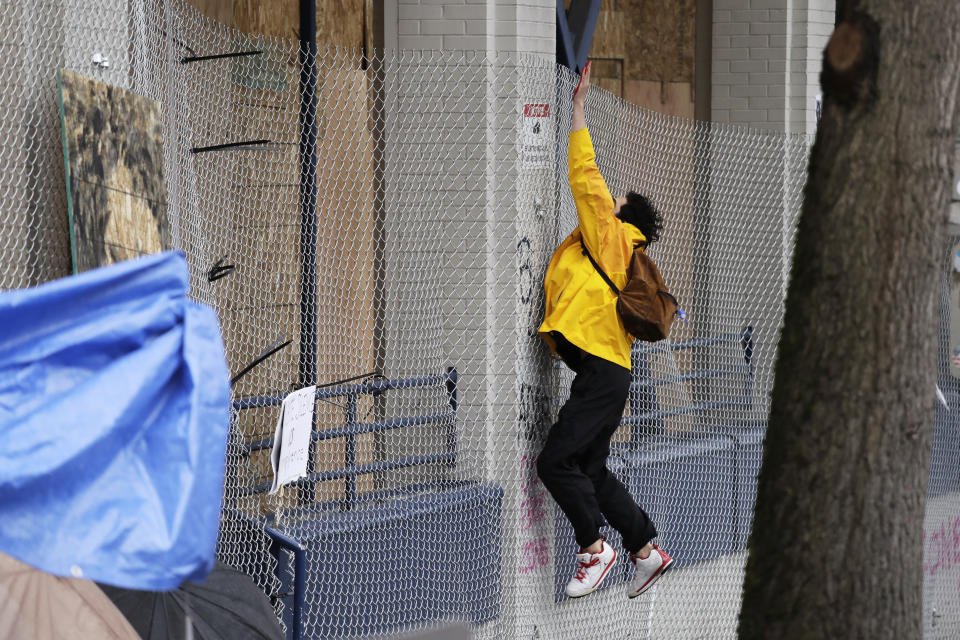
(534, 408)
(941, 549)
(535, 552)
(534, 413)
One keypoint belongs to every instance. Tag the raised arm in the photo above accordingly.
(580, 101)
(590, 193)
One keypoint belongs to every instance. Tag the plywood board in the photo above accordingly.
(607, 73)
(644, 53)
(339, 22)
(247, 332)
(262, 298)
(671, 98)
(345, 257)
(609, 35)
(659, 39)
(273, 69)
(345, 210)
(219, 10)
(113, 154)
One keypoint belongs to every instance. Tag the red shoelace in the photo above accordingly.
(583, 566)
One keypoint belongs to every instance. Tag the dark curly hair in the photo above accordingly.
(641, 213)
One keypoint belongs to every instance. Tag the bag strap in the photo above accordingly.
(603, 275)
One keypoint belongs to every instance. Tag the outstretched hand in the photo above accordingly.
(580, 93)
(579, 120)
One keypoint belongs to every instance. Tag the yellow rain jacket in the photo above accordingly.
(580, 305)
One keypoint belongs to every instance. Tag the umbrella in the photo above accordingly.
(226, 605)
(35, 604)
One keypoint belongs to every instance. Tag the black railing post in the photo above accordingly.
(308, 203)
(350, 459)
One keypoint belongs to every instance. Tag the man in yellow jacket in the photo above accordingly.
(582, 326)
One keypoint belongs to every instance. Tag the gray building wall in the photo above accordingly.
(469, 134)
(489, 237)
(766, 61)
(478, 25)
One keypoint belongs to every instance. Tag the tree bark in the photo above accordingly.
(836, 549)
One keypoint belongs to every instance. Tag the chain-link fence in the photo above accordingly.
(404, 267)
(941, 527)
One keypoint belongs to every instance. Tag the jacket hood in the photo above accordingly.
(635, 234)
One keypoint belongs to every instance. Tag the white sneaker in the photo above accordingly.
(647, 570)
(592, 568)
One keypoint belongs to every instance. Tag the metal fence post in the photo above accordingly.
(308, 203)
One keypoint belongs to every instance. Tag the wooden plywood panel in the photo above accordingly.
(269, 17)
(671, 98)
(248, 332)
(267, 250)
(273, 71)
(113, 152)
(345, 267)
(345, 210)
(339, 22)
(266, 233)
(270, 115)
(271, 164)
(219, 10)
(261, 299)
(638, 43)
(610, 33)
(659, 38)
(345, 251)
(607, 74)
(263, 243)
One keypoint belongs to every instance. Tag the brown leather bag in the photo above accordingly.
(645, 306)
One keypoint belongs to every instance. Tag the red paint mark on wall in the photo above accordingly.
(534, 554)
(532, 510)
(533, 507)
(942, 547)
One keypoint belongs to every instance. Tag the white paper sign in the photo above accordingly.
(291, 441)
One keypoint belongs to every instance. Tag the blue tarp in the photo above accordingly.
(114, 415)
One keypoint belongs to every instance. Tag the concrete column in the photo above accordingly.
(766, 61)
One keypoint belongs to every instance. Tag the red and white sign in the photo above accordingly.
(537, 135)
(536, 111)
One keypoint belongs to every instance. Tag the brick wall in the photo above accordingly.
(466, 130)
(496, 25)
(811, 36)
(766, 61)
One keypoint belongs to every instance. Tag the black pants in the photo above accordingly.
(573, 463)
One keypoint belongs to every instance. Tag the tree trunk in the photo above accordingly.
(836, 549)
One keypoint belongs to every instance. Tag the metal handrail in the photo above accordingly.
(355, 427)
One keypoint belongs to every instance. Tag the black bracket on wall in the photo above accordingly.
(277, 345)
(218, 56)
(246, 145)
(219, 270)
